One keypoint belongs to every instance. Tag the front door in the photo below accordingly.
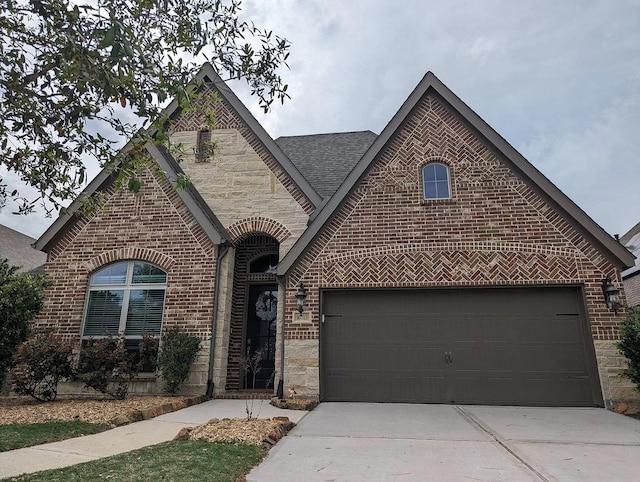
(260, 340)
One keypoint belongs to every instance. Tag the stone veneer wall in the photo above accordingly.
(250, 194)
(154, 226)
(242, 182)
(495, 230)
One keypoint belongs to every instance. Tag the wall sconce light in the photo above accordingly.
(611, 294)
(301, 295)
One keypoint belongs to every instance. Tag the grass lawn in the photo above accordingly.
(16, 436)
(184, 460)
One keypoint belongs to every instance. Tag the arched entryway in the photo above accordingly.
(252, 338)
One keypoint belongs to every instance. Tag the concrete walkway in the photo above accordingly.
(129, 437)
(363, 441)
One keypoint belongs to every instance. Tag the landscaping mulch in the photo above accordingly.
(25, 410)
(630, 410)
(266, 432)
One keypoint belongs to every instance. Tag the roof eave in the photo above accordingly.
(190, 196)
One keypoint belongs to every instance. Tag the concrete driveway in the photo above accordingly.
(370, 441)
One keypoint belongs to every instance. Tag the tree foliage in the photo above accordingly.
(72, 70)
(21, 299)
(629, 346)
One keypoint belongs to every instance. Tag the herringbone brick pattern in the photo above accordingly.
(440, 267)
(495, 230)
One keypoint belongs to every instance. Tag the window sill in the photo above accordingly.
(430, 202)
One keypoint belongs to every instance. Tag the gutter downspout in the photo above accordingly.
(214, 320)
(282, 288)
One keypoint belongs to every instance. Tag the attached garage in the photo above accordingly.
(500, 346)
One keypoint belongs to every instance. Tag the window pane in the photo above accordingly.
(429, 173)
(441, 172)
(443, 189)
(103, 313)
(116, 274)
(430, 190)
(264, 264)
(147, 273)
(145, 312)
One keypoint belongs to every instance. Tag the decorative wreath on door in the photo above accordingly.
(267, 307)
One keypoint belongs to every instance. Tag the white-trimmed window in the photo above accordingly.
(435, 181)
(125, 298)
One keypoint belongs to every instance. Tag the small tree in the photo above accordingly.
(629, 346)
(178, 351)
(21, 299)
(39, 364)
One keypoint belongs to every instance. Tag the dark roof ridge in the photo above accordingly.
(329, 134)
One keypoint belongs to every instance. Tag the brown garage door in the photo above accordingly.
(507, 346)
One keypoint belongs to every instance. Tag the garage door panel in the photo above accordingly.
(494, 346)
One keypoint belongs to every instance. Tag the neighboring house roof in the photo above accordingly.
(431, 84)
(631, 240)
(16, 248)
(325, 160)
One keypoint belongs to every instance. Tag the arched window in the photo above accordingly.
(264, 264)
(125, 298)
(435, 181)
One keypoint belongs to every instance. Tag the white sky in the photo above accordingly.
(559, 80)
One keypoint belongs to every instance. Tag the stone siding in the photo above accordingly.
(241, 181)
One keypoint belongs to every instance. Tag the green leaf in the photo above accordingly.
(109, 37)
(134, 184)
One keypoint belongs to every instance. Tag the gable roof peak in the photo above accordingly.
(621, 256)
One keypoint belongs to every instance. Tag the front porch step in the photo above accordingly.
(246, 394)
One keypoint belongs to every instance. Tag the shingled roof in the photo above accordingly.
(325, 160)
(631, 240)
(16, 248)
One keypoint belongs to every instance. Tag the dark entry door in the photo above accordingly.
(260, 341)
(506, 346)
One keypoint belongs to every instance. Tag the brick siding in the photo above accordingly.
(154, 226)
(495, 230)
(247, 250)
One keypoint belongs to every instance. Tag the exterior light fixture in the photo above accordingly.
(301, 295)
(611, 294)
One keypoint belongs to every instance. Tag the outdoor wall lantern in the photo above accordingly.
(611, 294)
(300, 297)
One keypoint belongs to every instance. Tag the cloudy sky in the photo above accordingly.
(559, 80)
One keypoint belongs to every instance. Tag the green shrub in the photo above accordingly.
(629, 346)
(106, 366)
(178, 351)
(39, 364)
(21, 299)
